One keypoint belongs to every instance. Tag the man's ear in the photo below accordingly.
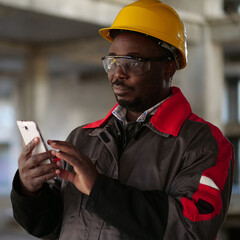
(170, 69)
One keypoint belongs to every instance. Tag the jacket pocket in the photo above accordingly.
(73, 229)
(105, 163)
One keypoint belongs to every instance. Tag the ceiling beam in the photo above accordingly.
(102, 13)
(226, 29)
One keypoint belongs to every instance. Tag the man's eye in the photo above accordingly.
(133, 64)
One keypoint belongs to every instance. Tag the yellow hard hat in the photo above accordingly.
(153, 18)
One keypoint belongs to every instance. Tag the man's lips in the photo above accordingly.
(121, 90)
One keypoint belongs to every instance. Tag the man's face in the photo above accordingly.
(138, 93)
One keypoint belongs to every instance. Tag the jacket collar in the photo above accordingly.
(172, 113)
(168, 118)
(101, 122)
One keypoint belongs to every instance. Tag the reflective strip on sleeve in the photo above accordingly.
(208, 182)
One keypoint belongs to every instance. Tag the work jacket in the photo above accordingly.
(172, 180)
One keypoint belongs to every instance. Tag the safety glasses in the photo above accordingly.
(129, 65)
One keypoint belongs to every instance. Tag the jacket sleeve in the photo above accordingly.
(194, 208)
(40, 215)
(198, 206)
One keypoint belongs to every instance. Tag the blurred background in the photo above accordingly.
(51, 72)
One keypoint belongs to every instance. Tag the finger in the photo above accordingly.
(65, 147)
(43, 170)
(37, 159)
(71, 159)
(62, 146)
(38, 181)
(32, 179)
(69, 176)
(57, 142)
(27, 149)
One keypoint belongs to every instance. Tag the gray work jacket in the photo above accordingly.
(172, 181)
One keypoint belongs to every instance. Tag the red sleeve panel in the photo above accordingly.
(200, 196)
(212, 181)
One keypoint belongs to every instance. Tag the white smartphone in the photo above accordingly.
(29, 130)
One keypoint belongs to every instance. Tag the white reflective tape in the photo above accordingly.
(208, 182)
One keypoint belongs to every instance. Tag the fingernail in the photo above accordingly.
(53, 152)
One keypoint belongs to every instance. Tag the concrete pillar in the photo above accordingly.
(191, 79)
(36, 90)
(213, 79)
(214, 66)
(213, 8)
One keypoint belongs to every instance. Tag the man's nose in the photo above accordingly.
(120, 71)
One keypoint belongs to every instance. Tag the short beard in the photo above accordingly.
(134, 106)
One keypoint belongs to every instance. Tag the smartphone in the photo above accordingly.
(29, 130)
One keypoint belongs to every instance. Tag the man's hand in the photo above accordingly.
(32, 173)
(85, 172)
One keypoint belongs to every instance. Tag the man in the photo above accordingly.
(151, 169)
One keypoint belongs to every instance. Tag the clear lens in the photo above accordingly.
(130, 66)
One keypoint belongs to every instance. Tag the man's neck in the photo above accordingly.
(132, 116)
